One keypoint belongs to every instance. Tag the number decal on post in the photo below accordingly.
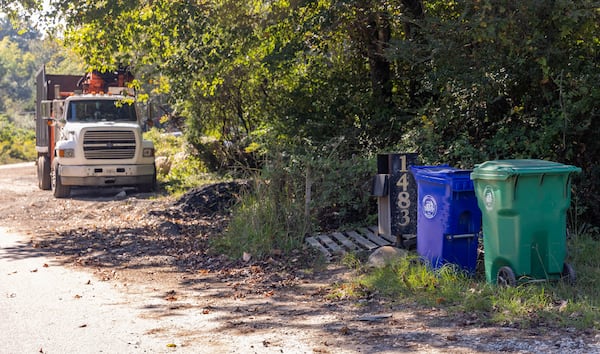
(405, 220)
(403, 163)
(403, 182)
(404, 200)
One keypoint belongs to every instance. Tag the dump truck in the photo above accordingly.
(89, 133)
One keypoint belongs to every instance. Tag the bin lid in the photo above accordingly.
(503, 169)
(443, 174)
(440, 171)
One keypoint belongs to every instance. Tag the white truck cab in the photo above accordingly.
(87, 139)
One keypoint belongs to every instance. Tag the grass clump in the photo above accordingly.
(268, 219)
(408, 278)
(261, 226)
(549, 304)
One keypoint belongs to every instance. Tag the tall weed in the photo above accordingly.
(264, 222)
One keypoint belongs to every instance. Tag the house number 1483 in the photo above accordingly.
(403, 201)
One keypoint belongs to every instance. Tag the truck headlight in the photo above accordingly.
(66, 153)
(148, 152)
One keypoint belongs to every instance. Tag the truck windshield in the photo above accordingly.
(101, 111)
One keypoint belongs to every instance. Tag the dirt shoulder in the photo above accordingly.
(154, 252)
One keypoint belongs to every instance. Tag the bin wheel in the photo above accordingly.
(568, 274)
(506, 277)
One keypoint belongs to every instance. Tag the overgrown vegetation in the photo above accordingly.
(16, 144)
(299, 194)
(178, 169)
(552, 304)
(22, 53)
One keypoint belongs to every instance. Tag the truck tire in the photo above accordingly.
(59, 190)
(148, 187)
(43, 173)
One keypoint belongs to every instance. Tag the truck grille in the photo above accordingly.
(109, 144)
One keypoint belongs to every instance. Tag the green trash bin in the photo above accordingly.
(523, 205)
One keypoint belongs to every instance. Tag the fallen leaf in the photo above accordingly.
(345, 330)
(269, 293)
(46, 265)
(171, 345)
(83, 326)
(78, 296)
(246, 256)
(206, 311)
(34, 271)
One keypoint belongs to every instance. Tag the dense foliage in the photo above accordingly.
(460, 82)
(17, 63)
(16, 144)
(22, 53)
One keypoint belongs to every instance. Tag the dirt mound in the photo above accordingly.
(211, 199)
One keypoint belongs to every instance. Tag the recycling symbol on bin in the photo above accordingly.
(429, 206)
(488, 197)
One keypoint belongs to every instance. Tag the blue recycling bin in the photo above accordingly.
(448, 217)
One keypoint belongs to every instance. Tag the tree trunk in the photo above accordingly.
(379, 39)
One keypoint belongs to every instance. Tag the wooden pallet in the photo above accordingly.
(337, 243)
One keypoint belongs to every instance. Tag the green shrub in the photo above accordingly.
(299, 194)
(178, 167)
(16, 144)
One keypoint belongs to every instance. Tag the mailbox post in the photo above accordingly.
(396, 192)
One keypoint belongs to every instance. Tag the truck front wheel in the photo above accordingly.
(60, 190)
(148, 187)
(43, 173)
